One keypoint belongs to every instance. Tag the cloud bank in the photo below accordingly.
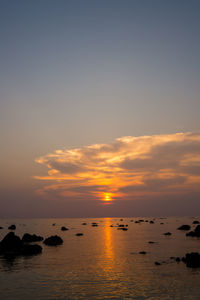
(127, 169)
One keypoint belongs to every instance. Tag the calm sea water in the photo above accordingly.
(103, 263)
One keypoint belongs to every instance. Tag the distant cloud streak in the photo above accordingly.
(127, 169)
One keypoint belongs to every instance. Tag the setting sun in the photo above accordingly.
(107, 197)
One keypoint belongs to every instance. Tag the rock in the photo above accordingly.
(122, 228)
(29, 238)
(53, 224)
(195, 233)
(12, 246)
(1, 227)
(94, 224)
(151, 222)
(167, 233)
(178, 259)
(31, 249)
(150, 242)
(157, 263)
(161, 223)
(142, 252)
(63, 228)
(84, 223)
(11, 243)
(184, 227)
(192, 260)
(79, 234)
(12, 227)
(195, 222)
(53, 240)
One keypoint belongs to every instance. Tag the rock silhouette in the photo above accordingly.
(29, 238)
(195, 233)
(12, 227)
(53, 240)
(63, 228)
(12, 246)
(192, 260)
(184, 227)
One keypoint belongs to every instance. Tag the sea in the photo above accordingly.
(103, 263)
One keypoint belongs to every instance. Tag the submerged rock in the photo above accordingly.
(53, 240)
(157, 263)
(151, 222)
(79, 234)
(192, 260)
(29, 238)
(184, 227)
(142, 252)
(84, 223)
(167, 233)
(12, 227)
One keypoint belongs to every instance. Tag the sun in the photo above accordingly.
(107, 197)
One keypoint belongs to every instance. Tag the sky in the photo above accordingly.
(99, 108)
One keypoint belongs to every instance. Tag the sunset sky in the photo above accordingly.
(99, 108)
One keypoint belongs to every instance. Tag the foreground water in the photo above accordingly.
(104, 263)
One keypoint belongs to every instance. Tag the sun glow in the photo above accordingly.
(107, 197)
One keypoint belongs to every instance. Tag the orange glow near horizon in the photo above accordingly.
(128, 168)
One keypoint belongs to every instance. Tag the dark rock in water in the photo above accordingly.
(197, 229)
(31, 249)
(184, 227)
(79, 234)
(157, 263)
(141, 220)
(11, 243)
(84, 223)
(121, 225)
(146, 220)
(53, 224)
(12, 246)
(1, 227)
(53, 240)
(192, 260)
(12, 227)
(151, 222)
(29, 238)
(161, 223)
(121, 219)
(167, 233)
(178, 259)
(142, 252)
(151, 242)
(94, 224)
(195, 222)
(122, 228)
(63, 228)
(195, 233)
(137, 222)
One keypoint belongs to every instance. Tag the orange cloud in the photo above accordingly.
(128, 168)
